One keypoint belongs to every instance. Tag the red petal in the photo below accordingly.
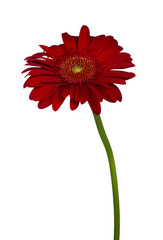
(111, 92)
(73, 104)
(62, 48)
(39, 93)
(83, 94)
(39, 65)
(119, 65)
(77, 93)
(120, 74)
(40, 71)
(72, 92)
(94, 88)
(119, 58)
(69, 41)
(36, 55)
(28, 69)
(84, 38)
(95, 43)
(105, 94)
(49, 51)
(58, 49)
(65, 92)
(36, 81)
(58, 99)
(40, 62)
(107, 42)
(107, 79)
(110, 52)
(94, 102)
(45, 102)
(117, 92)
(51, 79)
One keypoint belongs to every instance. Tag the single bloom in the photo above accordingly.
(83, 67)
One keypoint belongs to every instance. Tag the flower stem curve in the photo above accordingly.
(113, 173)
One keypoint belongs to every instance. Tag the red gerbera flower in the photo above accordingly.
(83, 67)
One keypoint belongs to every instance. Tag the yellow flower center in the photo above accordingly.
(77, 68)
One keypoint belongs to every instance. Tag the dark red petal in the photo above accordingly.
(73, 104)
(40, 62)
(28, 69)
(40, 71)
(110, 52)
(117, 92)
(111, 92)
(105, 94)
(51, 79)
(58, 99)
(49, 51)
(69, 41)
(72, 92)
(106, 79)
(83, 94)
(119, 58)
(65, 91)
(107, 42)
(94, 102)
(39, 65)
(36, 55)
(119, 65)
(95, 43)
(36, 81)
(77, 93)
(84, 37)
(49, 60)
(94, 88)
(39, 93)
(119, 74)
(58, 49)
(45, 102)
(100, 83)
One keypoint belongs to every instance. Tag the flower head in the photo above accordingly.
(84, 68)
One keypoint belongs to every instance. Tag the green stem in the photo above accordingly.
(113, 175)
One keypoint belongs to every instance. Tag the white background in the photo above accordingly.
(54, 174)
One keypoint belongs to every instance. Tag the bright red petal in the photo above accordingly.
(72, 91)
(58, 99)
(84, 38)
(117, 92)
(77, 93)
(107, 43)
(95, 42)
(83, 94)
(106, 79)
(40, 71)
(65, 92)
(119, 65)
(36, 55)
(94, 88)
(110, 52)
(73, 104)
(45, 102)
(94, 102)
(51, 52)
(119, 74)
(39, 93)
(69, 41)
(58, 49)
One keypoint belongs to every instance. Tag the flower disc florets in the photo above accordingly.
(78, 69)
